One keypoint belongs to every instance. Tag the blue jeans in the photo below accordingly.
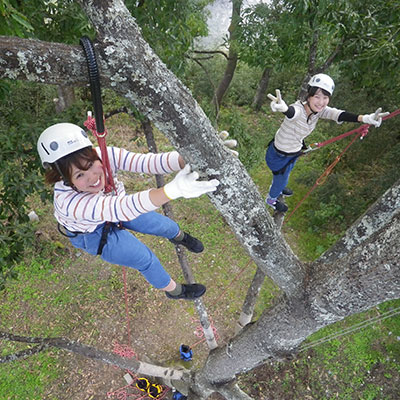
(123, 248)
(281, 167)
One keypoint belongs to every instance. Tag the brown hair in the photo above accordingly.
(81, 159)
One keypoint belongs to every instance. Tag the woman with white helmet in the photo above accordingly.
(300, 120)
(90, 216)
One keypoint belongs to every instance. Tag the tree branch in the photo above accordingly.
(212, 52)
(23, 354)
(103, 356)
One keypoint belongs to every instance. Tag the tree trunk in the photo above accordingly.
(250, 301)
(365, 272)
(180, 251)
(359, 272)
(65, 98)
(261, 89)
(232, 57)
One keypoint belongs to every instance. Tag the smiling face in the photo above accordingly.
(318, 101)
(89, 180)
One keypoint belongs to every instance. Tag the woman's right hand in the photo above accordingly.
(277, 104)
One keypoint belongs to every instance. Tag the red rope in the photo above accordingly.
(364, 127)
(109, 186)
(90, 124)
(361, 131)
(126, 305)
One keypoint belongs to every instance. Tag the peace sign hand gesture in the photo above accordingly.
(277, 104)
(374, 118)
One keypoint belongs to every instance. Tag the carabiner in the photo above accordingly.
(311, 147)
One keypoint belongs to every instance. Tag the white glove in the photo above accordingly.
(277, 104)
(185, 184)
(375, 118)
(230, 143)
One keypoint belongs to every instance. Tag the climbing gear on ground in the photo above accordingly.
(276, 204)
(374, 118)
(186, 184)
(322, 81)
(191, 243)
(154, 391)
(186, 352)
(277, 104)
(189, 292)
(59, 140)
(178, 396)
(142, 384)
(96, 125)
(287, 192)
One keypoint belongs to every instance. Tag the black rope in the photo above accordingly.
(94, 79)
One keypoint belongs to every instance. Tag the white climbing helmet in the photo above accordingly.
(60, 140)
(322, 81)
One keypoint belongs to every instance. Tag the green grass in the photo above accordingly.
(60, 293)
(28, 379)
(360, 365)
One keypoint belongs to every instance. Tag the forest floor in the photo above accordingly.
(61, 291)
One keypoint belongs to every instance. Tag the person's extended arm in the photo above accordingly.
(278, 104)
(371, 119)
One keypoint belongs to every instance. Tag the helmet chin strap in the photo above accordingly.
(309, 106)
(66, 182)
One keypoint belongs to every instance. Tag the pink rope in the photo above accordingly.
(90, 124)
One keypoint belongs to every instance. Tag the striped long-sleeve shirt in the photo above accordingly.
(83, 212)
(289, 137)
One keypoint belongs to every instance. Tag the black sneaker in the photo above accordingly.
(189, 292)
(277, 205)
(287, 192)
(190, 242)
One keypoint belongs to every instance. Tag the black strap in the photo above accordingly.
(103, 240)
(294, 155)
(67, 233)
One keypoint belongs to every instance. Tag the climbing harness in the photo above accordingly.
(186, 352)
(154, 391)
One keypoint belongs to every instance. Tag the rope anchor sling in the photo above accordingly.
(96, 126)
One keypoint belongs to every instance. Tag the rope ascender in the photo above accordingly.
(96, 125)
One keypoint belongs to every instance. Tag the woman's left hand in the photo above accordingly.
(375, 118)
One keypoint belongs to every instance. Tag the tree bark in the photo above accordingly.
(364, 273)
(232, 57)
(130, 67)
(65, 98)
(180, 251)
(250, 301)
(261, 89)
(359, 272)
